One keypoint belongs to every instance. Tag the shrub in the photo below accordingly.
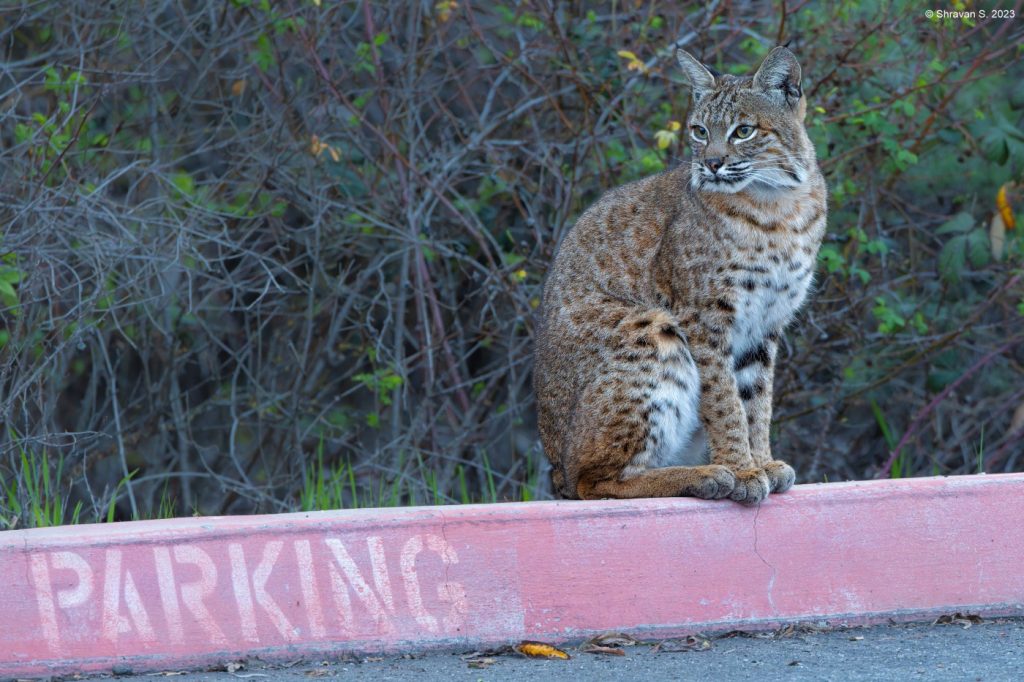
(253, 252)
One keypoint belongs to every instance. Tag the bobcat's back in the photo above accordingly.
(603, 267)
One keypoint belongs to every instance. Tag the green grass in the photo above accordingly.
(121, 485)
(32, 496)
(339, 486)
(981, 451)
(900, 466)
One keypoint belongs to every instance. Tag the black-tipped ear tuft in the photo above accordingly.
(701, 79)
(779, 76)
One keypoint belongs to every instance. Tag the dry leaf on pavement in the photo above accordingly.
(540, 650)
(964, 619)
(689, 643)
(479, 663)
(608, 643)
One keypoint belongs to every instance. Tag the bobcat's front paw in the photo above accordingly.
(710, 482)
(752, 486)
(780, 475)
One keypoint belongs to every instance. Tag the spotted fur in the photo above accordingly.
(663, 309)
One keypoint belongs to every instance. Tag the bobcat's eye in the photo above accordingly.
(743, 132)
(699, 133)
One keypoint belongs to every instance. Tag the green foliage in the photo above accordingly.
(382, 382)
(853, 259)
(303, 246)
(1003, 141)
(328, 488)
(340, 487)
(34, 494)
(10, 275)
(121, 485)
(899, 464)
(967, 245)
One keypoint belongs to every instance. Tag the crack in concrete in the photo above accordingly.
(771, 580)
(444, 559)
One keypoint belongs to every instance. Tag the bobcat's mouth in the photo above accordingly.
(729, 179)
(737, 176)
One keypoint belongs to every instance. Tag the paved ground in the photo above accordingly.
(962, 650)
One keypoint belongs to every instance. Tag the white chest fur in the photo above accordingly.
(768, 294)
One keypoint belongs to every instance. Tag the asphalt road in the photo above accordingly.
(963, 650)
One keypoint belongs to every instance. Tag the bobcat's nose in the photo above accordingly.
(715, 163)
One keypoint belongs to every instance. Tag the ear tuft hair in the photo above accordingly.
(779, 76)
(701, 79)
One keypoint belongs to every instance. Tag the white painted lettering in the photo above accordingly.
(80, 593)
(447, 592)
(314, 613)
(168, 593)
(342, 602)
(358, 584)
(195, 592)
(379, 564)
(414, 546)
(44, 600)
(243, 597)
(113, 623)
(117, 613)
(76, 595)
(136, 609)
(271, 550)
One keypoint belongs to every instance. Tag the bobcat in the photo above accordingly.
(663, 308)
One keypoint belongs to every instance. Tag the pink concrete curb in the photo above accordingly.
(157, 595)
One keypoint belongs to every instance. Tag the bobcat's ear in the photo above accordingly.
(779, 76)
(701, 80)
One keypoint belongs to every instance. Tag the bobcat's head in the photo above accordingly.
(748, 131)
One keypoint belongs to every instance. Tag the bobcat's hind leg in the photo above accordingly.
(709, 482)
(638, 430)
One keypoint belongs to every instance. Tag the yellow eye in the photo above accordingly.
(743, 132)
(699, 132)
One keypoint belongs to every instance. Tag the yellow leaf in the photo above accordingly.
(540, 650)
(316, 2)
(444, 9)
(316, 147)
(674, 125)
(1003, 204)
(634, 62)
(665, 138)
